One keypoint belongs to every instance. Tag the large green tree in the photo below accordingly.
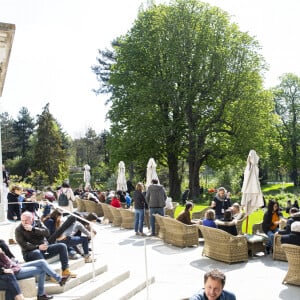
(49, 153)
(184, 83)
(287, 106)
(23, 129)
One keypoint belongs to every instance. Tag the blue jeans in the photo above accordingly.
(139, 220)
(53, 250)
(270, 234)
(37, 268)
(71, 241)
(155, 210)
(10, 285)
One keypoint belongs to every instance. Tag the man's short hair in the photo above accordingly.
(215, 274)
(154, 181)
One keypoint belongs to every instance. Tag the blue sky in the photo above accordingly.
(56, 43)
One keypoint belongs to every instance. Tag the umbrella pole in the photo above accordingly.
(247, 219)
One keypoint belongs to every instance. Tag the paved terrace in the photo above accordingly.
(179, 272)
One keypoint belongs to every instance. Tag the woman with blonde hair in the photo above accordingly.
(209, 219)
(139, 209)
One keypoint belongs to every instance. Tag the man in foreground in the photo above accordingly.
(214, 282)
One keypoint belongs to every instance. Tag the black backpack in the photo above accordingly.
(63, 199)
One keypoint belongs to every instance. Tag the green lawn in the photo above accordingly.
(255, 217)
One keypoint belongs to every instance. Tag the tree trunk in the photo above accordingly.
(174, 180)
(194, 167)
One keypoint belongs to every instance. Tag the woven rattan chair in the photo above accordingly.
(117, 218)
(171, 211)
(223, 246)
(200, 214)
(278, 251)
(239, 224)
(257, 228)
(108, 216)
(127, 218)
(179, 234)
(159, 226)
(293, 258)
(93, 207)
(80, 204)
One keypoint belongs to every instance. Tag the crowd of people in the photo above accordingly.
(57, 231)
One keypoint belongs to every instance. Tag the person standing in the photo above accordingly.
(5, 176)
(220, 203)
(139, 209)
(156, 199)
(66, 190)
(214, 282)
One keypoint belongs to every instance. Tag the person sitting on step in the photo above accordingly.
(32, 236)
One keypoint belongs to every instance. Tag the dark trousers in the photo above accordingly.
(53, 250)
(10, 285)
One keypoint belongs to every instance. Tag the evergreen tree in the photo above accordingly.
(23, 129)
(49, 154)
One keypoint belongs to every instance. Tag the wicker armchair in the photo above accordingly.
(257, 228)
(171, 211)
(93, 207)
(117, 218)
(108, 216)
(239, 224)
(127, 218)
(80, 204)
(278, 251)
(223, 246)
(293, 258)
(179, 234)
(159, 226)
(200, 214)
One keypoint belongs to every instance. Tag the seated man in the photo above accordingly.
(214, 282)
(32, 236)
(294, 216)
(185, 216)
(236, 211)
(294, 236)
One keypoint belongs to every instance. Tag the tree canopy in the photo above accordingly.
(186, 85)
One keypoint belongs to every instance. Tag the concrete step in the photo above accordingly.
(84, 273)
(90, 289)
(125, 290)
(73, 264)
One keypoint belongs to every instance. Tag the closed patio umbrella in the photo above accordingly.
(87, 176)
(121, 180)
(151, 172)
(252, 197)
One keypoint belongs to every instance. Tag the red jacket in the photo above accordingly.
(115, 202)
